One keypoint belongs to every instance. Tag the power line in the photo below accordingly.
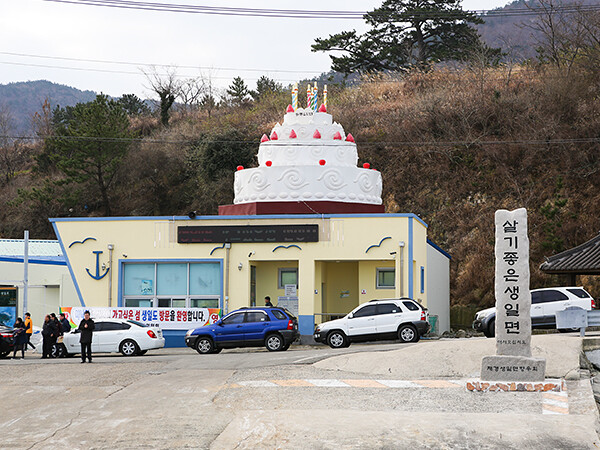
(101, 61)
(324, 14)
(86, 69)
(487, 76)
(532, 142)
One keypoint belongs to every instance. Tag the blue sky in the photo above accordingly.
(38, 27)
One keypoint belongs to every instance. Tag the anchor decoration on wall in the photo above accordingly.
(97, 276)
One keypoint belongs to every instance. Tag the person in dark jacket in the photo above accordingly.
(20, 338)
(48, 334)
(64, 323)
(268, 301)
(86, 328)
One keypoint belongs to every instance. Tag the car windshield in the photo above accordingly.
(291, 316)
(139, 324)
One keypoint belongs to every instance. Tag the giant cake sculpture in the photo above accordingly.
(306, 165)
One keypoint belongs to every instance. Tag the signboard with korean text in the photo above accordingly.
(247, 233)
(513, 298)
(8, 305)
(289, 303)
(291, 290)
(165, 318)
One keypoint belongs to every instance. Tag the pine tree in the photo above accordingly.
(238, 91)
(405, 33)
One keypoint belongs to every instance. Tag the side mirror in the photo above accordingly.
(350, 316)
(220, 323)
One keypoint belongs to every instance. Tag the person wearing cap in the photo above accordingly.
(86, 328)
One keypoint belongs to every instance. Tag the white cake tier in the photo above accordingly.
(304, 123)
(335, 153)
(308, 183)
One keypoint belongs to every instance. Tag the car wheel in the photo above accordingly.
(337, 339)
(408, 333)
(4, 354)
(285, 347)
(57, 351)
(274, 343)
(142, 352)
(217, 350)
(491, 329)
(129, 348)
(204, 345)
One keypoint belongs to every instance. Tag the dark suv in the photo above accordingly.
(275, 328)
(7, 340)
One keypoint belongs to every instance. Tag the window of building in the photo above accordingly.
(288, 276)
(422, 280)
(386, 277)
(172, 285)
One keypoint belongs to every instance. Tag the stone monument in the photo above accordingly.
(513, 361)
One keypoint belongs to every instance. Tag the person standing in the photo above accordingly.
(48, 334)
(20, 338)
(268, 301)
(86, 328)
(64, 323)
(28, 330)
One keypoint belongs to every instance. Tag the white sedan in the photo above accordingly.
(113, 335)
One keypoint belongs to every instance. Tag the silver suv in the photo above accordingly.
(544, 305)
(397, 318)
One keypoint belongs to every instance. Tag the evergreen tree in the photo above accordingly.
(238, 91)
(265, 86)
(405, 33)
(90, 141)
(134, 105)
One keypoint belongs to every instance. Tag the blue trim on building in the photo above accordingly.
(64, 252)
(122, 262)
(51, 261)
(410, 257)
(266, 216)
(422, 280)
(439, 249)
(174, 338)
(306, 324)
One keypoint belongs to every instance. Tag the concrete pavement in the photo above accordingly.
(372, 396)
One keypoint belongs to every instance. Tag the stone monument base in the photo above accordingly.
(516, 386)
(512, 368)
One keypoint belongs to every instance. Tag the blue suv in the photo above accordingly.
(275, 328)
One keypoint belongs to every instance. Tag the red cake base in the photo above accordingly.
(263, 208)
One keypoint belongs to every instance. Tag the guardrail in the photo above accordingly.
(577, 318)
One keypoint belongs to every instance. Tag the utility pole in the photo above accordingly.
(25, 270)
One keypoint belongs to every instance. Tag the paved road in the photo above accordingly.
(175, 398)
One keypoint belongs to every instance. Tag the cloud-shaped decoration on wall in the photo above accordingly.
(216, 248)
(82, 242)
(378, 245)
(286, 247)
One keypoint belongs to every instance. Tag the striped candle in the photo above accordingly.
(325, 96)
(315, 97)
(295, 97)
(308, 96)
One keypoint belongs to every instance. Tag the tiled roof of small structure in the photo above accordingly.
(583, 259)
(16, 247)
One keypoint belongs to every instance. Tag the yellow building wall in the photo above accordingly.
(267, 280)
(366, 241)
(342, 287)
